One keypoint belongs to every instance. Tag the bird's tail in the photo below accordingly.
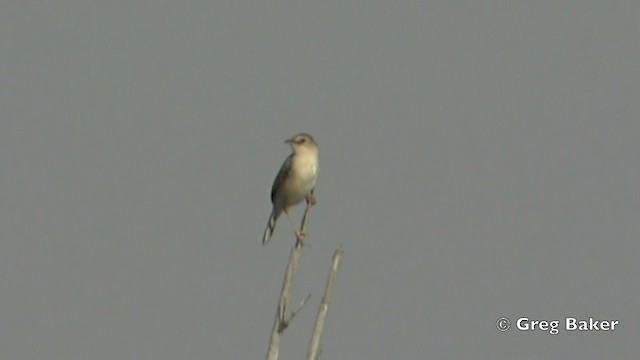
(271, 225)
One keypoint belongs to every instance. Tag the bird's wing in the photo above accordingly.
(284, 172)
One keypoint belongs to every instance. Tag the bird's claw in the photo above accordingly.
(300, 237)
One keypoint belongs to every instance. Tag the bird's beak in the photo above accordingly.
(288, 141)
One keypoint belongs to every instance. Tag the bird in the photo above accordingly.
(295, 181)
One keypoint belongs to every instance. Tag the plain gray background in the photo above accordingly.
(479, 159)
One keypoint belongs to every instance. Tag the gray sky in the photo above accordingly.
(479, 159)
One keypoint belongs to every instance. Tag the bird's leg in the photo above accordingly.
(311, 198)
(298, 233)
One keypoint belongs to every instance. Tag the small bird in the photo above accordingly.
(295, 181)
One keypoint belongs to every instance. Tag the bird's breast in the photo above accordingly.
(307, 168)
(306, 172)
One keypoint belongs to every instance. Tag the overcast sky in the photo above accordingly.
(478, 160)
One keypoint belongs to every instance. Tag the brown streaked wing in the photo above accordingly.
(283, 173)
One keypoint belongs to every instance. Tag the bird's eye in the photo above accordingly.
(303, 140)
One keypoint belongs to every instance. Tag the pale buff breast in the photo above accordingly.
(304, 181)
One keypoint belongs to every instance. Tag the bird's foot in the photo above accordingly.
(300, 237)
